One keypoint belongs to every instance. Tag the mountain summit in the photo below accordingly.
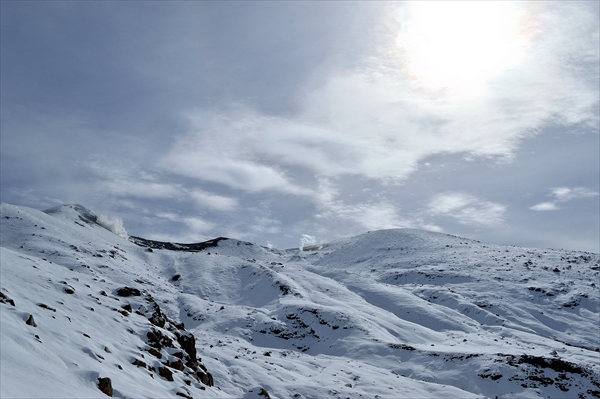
(88, 313)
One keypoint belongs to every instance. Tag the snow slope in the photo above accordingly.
(388, 314)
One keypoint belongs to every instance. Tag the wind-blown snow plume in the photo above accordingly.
(307, 240)
(114, 224)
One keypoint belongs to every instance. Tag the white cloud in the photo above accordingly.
(262, 224)
(195, 224)
(545, 206)
(563, 194)
(372, 215)
(129, 188)
(375, 121)
(467, 209)
(213, 201)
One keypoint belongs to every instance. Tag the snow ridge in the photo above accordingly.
(388, 314)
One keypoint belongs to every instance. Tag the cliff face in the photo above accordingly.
(394, 313)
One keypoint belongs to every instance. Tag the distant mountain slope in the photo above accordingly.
(389, 314)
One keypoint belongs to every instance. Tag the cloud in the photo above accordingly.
(564, 194)
(195, 224)
(371, 215)
(226, 149)
(373, 120)
(213, 201)
(127, 182)
(262, 224)
(545, 206)
(138, 189)
(467, 209)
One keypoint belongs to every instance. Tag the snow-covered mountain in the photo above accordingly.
(387, 314)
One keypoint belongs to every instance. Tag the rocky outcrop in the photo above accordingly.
(105, 385)
(142, 242)
(173, 345)
(187, 341)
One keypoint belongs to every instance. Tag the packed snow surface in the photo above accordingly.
(387, 314)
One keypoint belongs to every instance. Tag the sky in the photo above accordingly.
(293, 123)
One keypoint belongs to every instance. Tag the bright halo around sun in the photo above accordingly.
(458, 46)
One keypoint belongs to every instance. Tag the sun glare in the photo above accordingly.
(460, 45)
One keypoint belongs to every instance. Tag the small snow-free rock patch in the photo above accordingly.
(177, 365)
(264, 393)
(155, 353)
(165, 373)
(6, 299)
(176, 277)
(30, 321)
(205, 378)
(138, 363)
(128, 291)
(105, 385)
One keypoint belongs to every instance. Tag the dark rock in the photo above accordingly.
(184, 395)
(107, 350)
(69, 290)
(196, 247)
(30, 321)
(6, 299)
(127, 308)
(43, 305)
(155, 353)
(178, 355)
(205, 378)
(264, 393)
(180, 326)
(105, 385)
(177, 365)
(555, 364)
(165, 373)
(128, 291)
(158, 318)
(158, 340)
(188, 344)
(103, 293)
(176, 277)
(139, 363)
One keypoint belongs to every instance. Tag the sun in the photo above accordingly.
(460, 45)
